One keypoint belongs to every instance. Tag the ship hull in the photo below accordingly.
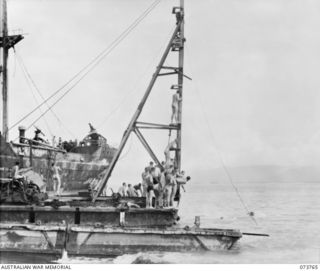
(102, 231)
(110, 241)
(76, 168)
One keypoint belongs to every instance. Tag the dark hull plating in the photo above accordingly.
(108, 241)
(77, 167)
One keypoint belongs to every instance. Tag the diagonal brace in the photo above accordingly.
(146, 145)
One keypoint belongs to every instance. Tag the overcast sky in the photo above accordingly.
(255, 67)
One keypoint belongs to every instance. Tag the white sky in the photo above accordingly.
(255, 67)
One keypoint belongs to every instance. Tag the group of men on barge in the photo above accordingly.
(161, 185)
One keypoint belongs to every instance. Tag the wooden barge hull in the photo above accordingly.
(110, 241)
(88, 216)
(102, 231)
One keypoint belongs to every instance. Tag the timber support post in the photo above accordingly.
(6, 42)
(180, 48)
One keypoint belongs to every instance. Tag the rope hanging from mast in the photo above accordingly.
(28, 80)
(135, 89)
(31, 83)
(229, 177)
(224, 166)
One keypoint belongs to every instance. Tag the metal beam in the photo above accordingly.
(175, 72)
(167, 73)
(167, 127)
(147, 147)
(136, 115)
(148, 125)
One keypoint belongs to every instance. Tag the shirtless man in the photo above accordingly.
(175, 106)
(161, 189)
(181, 181)
(151, 165)
(15, 171)
(174, 185)
(131, 191)
(123, 190)
(168, 185)
(56, 179)
(138, 189)
(150, 189)
(168, 161)
(144, 181)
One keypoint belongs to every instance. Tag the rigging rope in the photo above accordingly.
(127, 152)
(135, 89)
(30, 88)
(24, 68)
(220, 155)
(221, 159)
(92, 64)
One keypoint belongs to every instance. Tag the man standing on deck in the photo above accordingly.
(150, 166)
(144, 181)
(174, 186)
(175, 106)
(123, 190)
(161, 187)
(15, 171)
(157, 189)
(168, 185)
(181, 181)
(131, 191)
(37, 137)
(157, 172)
(56, 179)
(150, 189)
(138, 189)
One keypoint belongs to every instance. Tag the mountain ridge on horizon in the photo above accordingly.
(262, 172)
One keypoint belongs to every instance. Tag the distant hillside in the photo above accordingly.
(263, 173)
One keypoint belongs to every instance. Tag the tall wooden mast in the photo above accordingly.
(176, 44)
(180, 84)
(6, 42)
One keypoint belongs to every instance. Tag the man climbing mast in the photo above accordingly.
(175, 107)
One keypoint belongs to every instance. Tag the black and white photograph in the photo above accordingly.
(160, 132)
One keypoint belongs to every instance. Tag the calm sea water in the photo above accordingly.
(287, 210)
